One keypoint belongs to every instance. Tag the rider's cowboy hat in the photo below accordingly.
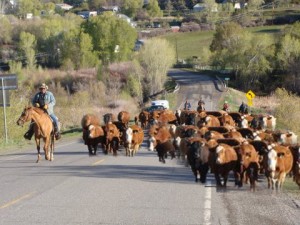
(43, 85)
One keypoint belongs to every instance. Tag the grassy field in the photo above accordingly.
(190, 44)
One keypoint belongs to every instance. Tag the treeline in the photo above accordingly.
(258, 62)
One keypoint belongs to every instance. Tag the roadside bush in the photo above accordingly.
(287, 112)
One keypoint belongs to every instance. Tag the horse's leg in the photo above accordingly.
(46, 148)
(38, 147)
(52, 148)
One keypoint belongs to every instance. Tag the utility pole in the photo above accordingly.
(176, 50)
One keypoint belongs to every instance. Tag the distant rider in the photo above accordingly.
(187, 105)
(226, 106)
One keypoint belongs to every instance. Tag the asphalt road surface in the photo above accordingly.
(78, 189)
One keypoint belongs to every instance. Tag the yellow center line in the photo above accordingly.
(98, 162)
(16, 201)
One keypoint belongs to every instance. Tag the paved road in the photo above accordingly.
(193, 86)
(78, 189)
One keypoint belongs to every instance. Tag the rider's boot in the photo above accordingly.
(56, 132)
(28, 135)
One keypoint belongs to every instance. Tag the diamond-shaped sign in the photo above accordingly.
(250, 102)
(250, 95)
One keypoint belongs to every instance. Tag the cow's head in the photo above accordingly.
(95, 131)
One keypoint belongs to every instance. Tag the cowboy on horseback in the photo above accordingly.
(201, 105)
(45, 100)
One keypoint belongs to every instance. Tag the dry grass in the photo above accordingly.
(282, 104)
(91, 96)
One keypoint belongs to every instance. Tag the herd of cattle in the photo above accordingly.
(215, 141)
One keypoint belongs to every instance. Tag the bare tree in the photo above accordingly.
(113, 89)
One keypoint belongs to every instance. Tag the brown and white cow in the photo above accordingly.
(288, 138)
(134, 139)
(226, 119)
(268, 122)
(223, 159)
(112, 138)
(236, 135)
(92, 132)
(167, 117)
(278, 163)
(160, 139)
(209, 121)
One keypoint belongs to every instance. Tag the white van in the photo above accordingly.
(164, 103)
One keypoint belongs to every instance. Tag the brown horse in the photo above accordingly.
(43, 129)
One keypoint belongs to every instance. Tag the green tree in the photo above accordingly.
(135, 82)
(156, 58)
(153, 9)
(5, 30)
(76, 49)
(27, 45)
(113, 38)
(225, 35)
(87, 57)
(28, 6)
(210, 14)
(248, 56)
(288, 57)
(169, 7)
(258, 60)
(289, 51)
(131, 7)
(49, 34)
(49, 8)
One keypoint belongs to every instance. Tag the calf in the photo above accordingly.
(250, 164)
(134, 138)
(160, 139)
(197, 156)
(222, 160)
(112, 139)
(144, 119)
(92, 132)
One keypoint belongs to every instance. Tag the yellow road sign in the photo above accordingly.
(250, 95)
(250, 102)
